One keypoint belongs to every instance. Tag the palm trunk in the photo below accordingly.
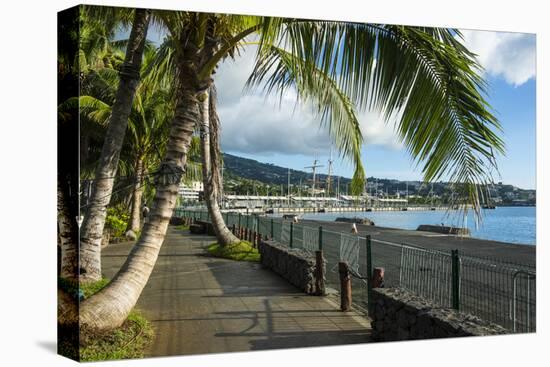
(68, 235)
(102, 187)
(211, 180)
(216, 159)
(109, 308)
(134, 223)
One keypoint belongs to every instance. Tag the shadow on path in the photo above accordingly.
(201, 304)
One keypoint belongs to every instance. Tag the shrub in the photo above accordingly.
(117, 221)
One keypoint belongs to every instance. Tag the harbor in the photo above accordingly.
(494, 280)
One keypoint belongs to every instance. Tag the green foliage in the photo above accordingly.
(72, 287)
(128, 341)
(182, 227)
(422, 77)
(117, 221)
(240, 251)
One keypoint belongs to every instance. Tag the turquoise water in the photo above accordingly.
(506, 224)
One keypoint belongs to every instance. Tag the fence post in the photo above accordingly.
(271, 228)
(320, 238)
(291, 233)
(455, 279)
(320, 289)
(378, 278)
(345, 286)
(369, 275)
(239, 221)
(254, 231)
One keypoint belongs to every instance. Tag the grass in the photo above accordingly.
(240, 251)
(85, 289)
(182, 227)
(127, 341)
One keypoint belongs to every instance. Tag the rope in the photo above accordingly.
(356, 275)
(116, 192)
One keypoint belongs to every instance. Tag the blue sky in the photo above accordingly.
(288, 135)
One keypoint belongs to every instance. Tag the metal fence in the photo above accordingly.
(494, 290)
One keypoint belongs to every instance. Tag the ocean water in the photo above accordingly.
(506, 224)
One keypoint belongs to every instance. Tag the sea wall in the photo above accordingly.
(357, 220)
(401, 315)
(294, 265)
(444, 229)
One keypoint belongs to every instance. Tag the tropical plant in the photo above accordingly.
(211, 158)
(67, 129)
(425, 74)
(147, 125)
(102, 186)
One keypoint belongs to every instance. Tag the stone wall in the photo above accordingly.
(205, 228)
(176, 221)
(400, 315)
(294, 265)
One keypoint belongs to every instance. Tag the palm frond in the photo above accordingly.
(279, 70)
(425, 74)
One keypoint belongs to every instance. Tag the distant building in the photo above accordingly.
(191, 191)
(509, 195)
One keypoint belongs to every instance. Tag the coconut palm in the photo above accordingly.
(147, 130)
(94, 220)
(211, 158)
(67, 129)
(147, 124)
(424, 73)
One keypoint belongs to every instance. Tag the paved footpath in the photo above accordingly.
(202, 304)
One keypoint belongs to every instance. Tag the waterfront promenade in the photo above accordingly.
(201, 304)
(497, 280)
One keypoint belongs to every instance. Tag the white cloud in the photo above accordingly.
(511, 56)
(252, 123)
(377, 131)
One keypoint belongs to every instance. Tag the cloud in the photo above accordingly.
(511, 56)
(255, 124)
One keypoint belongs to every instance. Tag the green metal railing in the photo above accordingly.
(497, 291)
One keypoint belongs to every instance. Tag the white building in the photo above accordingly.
(191, 191)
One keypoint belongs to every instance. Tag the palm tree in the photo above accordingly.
(109, 308)
(68, 236)
(424, 73)
(102, 186)
(147, 128)
(67, 130)
(211, 158)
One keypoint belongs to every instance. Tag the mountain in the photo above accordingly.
(271, 174)
(244, 175)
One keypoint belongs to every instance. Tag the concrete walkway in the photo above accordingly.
(201, 304)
